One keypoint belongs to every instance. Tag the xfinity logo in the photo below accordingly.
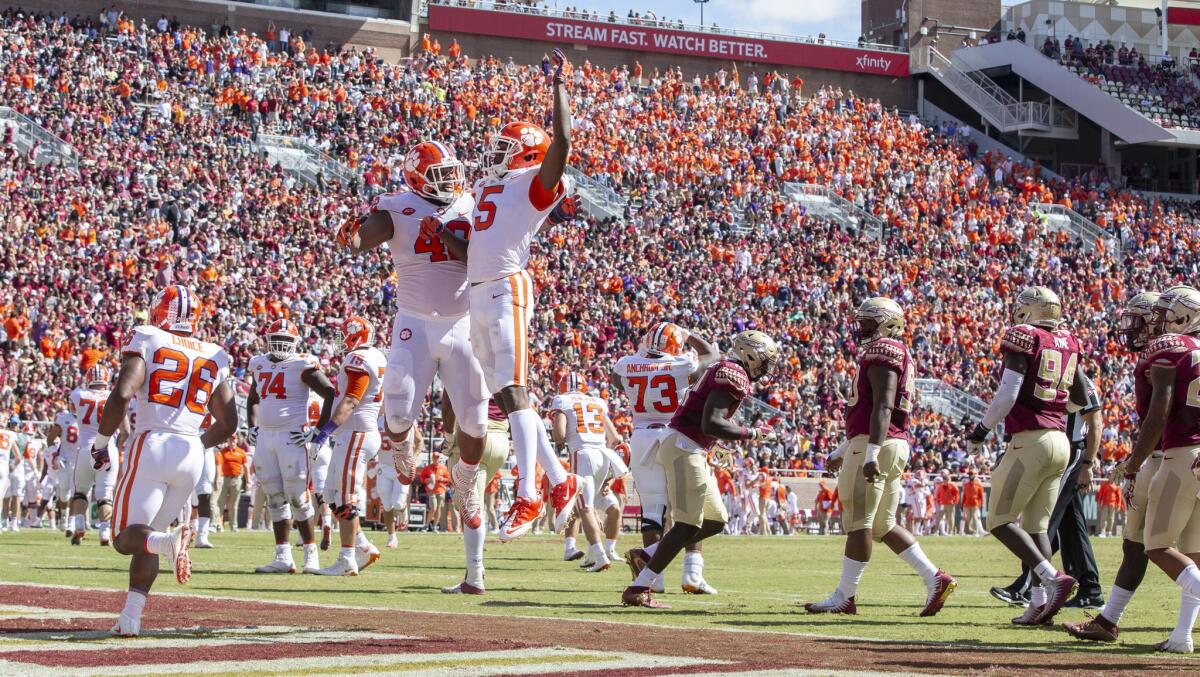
(866, 61)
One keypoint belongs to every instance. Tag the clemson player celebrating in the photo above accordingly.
(1042, 376)
(874, 457)
(354, 417)
(177, 379)
(431, 335)
(654, 380)
(281, 381)
(524, 183)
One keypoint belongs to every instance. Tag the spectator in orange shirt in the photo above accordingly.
(435, 477)
(947, 498)
(1109, 503)
(972, 502)
(489, 502)
(824, 507)
(231, 462)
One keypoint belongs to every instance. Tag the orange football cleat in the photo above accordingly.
(563, 497)
(519, 519)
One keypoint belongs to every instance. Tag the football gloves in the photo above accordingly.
(100, 460)
(431, 227)
(348, 229)
(252, 436)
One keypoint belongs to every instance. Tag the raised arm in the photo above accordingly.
(360, 234)
(555, 162)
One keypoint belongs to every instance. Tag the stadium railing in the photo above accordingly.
(1059, 217)
(27, 134)
(597, 197)
(823, 201)
(949, 401)
(302, 158)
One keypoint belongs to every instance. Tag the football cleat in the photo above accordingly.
(393, 542)
(77, 537)
(614, 557)
(279, 565)
(1171, 646)
(312, 563)
(1094, 629)
(365, 557)
(637, 559)
(1058, 590)
(1031, 616)
(341, 566)
(1010, 596)
(179, 554)
(127, 626)
(640, 596)
(572, 555)
(698, 587)
(200, 541)
(326, 536)
(466, 496)
(943, 585)
(563, 498)
(597, 567)
(519, 519)
(463, 588)
(836, 604)
(405, 456)
(106, 536)
(69, 533)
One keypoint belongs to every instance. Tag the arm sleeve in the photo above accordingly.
(356, 383)
(1005, 398)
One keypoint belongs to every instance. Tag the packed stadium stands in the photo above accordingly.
(173, 187)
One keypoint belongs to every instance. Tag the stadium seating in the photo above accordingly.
(1165, 92)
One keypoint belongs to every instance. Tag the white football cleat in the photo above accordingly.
(127, 626)
(572, 555)
(202, 542)
(279, 565)
(1171, 646)
(598, 566)
(312, 563)
(105, 535)
(614, 557)
(365, 557)
(698, 587)
(341, 566)
(393, 542)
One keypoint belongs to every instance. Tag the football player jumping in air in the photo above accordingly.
(704, 419)
(873, 458)
(1040, 379)
(524, 183)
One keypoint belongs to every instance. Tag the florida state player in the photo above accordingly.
(873, 458)
(704, 419)
(1040, 379)
(177, 379)
(355, 418)
(1172, 423)
(654, 379)
(431, 334)
(281, 381)
(524, 183)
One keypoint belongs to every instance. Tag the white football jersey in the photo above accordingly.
(505, 222)
(585, 419)
(181, 375)
(88, 405)
(282, 393)
(8, 443)
(68, 438)
(370, 361)
(35, 449)
(655, 385)
(429, 280)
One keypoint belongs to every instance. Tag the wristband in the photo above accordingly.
(980, 433)
(101, 441)
(324, 431)
(872, 453)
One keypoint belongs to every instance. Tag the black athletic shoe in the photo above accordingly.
(1085, 602)
(1010, 596)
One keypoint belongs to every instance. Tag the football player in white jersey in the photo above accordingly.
(524, 182)
(63, 438)
(87, 404)
(281, 381)
(580, 422)
(668, 360)
(35, 469)
(202, 494)
(393, 494)
(355, 417)
(431, 334)
(178, 380)
(12, 447)
(319, 473)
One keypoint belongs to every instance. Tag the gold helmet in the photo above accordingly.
(1177, 311)
(887, 315)
(756, 351)
(1037, 306)
(1135, 326)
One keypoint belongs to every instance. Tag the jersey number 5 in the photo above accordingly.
(181, 369)
(434, 247)
(486, 208)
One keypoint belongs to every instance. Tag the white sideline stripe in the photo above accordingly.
(179, 638)
(662, 626)
(11, 611)
(527, 661)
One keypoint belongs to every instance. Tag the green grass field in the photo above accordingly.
(760, 579)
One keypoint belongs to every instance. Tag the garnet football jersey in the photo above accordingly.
(1045, 390)
(893, 355)
(1183, 354)
(429, 280)
(724, 375)
(282, 392)
(370, 361)
(505, 222)
(181, 375)
(655, 385)
(585, 419)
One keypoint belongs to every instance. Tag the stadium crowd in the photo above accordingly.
(172, 187)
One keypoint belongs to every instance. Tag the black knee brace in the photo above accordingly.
(80, 497)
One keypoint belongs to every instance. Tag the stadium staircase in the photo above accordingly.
(949, 401)
(993, 103)
(32, 138)
(1058, 217)
(823, 202)
(598, 199)
(299, 157)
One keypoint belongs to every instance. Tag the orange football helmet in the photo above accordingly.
(572, 382)
(664, 338)
(97, 374)
(355, 332)
(176, 308)
(516, 145)
(433, 171)
(282, 338)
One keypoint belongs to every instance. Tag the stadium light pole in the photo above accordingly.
(702, 3)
